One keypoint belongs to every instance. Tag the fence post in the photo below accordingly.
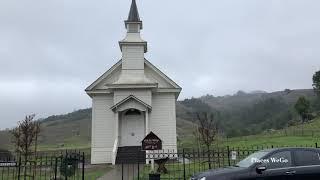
(184, 164)
(83, 163)
(138, 171)
(56, 168)
(65, 164)
(66, 159)
(209, 158)
(316, 145)
(122, 171)
(228, 149)
(19, 170)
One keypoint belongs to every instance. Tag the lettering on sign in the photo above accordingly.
(151, 142)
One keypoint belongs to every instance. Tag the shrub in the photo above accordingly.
(69, 165)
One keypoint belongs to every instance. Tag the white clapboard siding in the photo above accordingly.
(133, 57)
(163, 119)
(101, 155)
(103, 131)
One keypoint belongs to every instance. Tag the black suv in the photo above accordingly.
(275, 164)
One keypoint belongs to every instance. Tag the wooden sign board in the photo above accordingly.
(151, 142)
(233, 155)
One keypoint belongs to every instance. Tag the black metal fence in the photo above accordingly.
(171, 165)
(187, 162)
(64, 166)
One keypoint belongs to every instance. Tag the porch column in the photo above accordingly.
(147, 132)
(147, 122)
(117, 126)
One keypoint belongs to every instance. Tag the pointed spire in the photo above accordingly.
(133, 14)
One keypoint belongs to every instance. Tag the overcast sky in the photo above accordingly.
(51, 50)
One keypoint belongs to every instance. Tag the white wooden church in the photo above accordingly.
(132, 99)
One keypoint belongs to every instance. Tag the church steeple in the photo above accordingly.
(133, 26)
(133, 23)
(133, 48)
(133, 14)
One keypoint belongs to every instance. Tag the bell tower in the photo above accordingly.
(133, 48)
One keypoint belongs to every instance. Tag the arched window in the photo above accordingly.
(132, 112)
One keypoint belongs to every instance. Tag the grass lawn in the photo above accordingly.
(269, 141)
(301, 135)
(70, 143)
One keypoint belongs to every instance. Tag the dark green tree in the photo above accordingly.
(316, 83)
(302, 106)
(316, 87)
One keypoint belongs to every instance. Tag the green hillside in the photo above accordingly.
(299, 135)
(252, 115)
(71, 130)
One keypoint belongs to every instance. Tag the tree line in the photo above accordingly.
(209, 121)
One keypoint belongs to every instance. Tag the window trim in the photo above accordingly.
(293, 167)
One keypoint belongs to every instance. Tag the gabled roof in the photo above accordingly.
(129, 98)
(103, 76)
(151, 135)
(133, 14)
(119, 63)
(175, 85)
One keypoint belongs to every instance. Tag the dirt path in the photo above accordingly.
(130, 171)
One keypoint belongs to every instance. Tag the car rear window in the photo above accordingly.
(307, 158)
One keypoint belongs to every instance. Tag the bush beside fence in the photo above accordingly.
(43, 167)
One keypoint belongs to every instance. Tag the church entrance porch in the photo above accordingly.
(132, 128)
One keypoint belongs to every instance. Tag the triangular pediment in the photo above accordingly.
(131, 102)
(151, 72)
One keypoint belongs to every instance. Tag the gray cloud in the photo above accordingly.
(51, 50)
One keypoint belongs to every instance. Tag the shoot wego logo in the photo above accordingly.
(270, 160)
